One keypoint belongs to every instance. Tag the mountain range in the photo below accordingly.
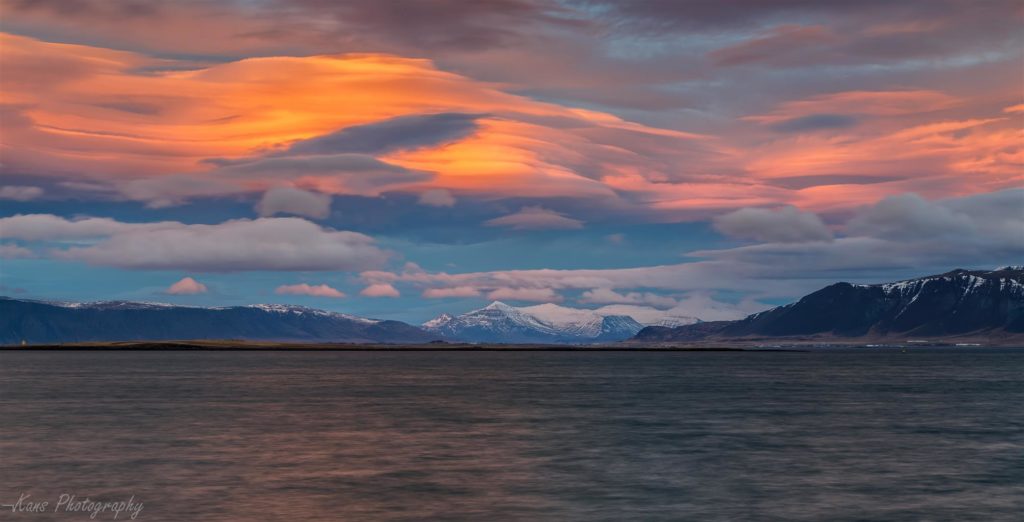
(41, 322)
(544, 323)
(960, 303)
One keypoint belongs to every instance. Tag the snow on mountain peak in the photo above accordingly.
(498, 305)
(1010, 268)
(549, 321)
(150, 305)
(438, 321)
(109, 304)
(300, 310)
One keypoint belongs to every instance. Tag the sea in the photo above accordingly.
(924, 434)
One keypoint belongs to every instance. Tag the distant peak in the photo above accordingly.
(438, 321)
(1010, 268)
(274, 307)
(497, 305)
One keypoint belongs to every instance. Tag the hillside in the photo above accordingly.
(957, 303)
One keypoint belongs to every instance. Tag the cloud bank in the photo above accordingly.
(796, 255)
(785, 225)
(287, 244)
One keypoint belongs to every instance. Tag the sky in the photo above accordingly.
(399, 159)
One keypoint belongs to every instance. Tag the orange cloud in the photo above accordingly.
(906, 142)
(120, 115)
(156, 133)
(320, 290)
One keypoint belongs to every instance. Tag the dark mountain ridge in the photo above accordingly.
(41, 322)
(957, 303)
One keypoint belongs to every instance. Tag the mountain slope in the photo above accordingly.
(39, 322)
(961, 302)
(546, 323)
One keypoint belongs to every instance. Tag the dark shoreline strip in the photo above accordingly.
(158, 347)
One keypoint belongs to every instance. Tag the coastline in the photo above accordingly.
(354, 347)
(721, 346)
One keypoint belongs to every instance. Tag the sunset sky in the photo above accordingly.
(398, 158)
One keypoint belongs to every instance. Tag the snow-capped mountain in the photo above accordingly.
(648, 316)
(437, 322)
(545, 323)
(960, 302)
(40, 322)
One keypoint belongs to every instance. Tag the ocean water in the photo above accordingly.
(251, 436)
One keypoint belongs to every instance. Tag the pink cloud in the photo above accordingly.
(540, 295)
(535, 218)
(187, 286)
(380, 290)
(12, 251)
(320, 290)
(458, 291)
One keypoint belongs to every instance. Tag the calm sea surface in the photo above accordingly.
(517, 436)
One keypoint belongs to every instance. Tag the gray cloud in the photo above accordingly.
(48, 227)
(335, 173)
(441, 23)
(287, 200)
(995, 220)
(20, 193)
(609, 296)
(401, 133)
(709, 15)
(437, 198)
(801, 182)
(701, 305)
(1005, 207)
(785, 225)
(784, 41)
(905, 233)
(118, 9)
(239, 245)
(910, 217)
(242, 245)
(882, 244)
(814, 122)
